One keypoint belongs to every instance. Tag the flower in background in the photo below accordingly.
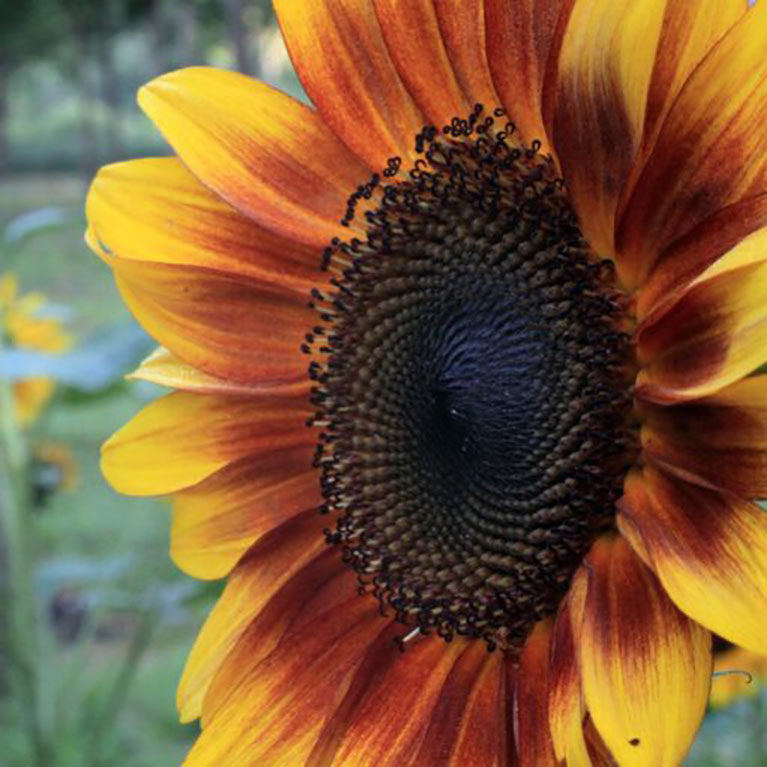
(53, 469)
(25, 324)
(523, 395)
(740, 674)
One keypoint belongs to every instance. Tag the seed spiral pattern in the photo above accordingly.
(472, 381)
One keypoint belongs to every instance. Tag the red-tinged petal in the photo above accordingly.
(566, 706)
(463, 32)
(532, 733)
(155, 210)
(274, 715)
(522, 51)
(163, 368)
(736, 234)
(720, 440)
(645, 666)
(267, 154)
(412, 34)
(466, 728)
(230, 327)
(289, 563)
(339, 53)
(391, 716)
(714, 335)
(216, 521)
(711, 150)
(690, 29)
(182, 438)
(709, 551)
(604, 70)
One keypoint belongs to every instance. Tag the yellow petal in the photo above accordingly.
(713, 336)
(277, 559)
(709, 551)
(216, 521)
(646, 667)
(267, 154)
(711, 151)
(155, 210)
(182, 438)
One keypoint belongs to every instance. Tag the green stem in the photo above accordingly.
(21, 634)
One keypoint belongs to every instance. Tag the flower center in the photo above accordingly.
(472, 379)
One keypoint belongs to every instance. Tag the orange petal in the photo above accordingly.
(737, 231)
(522, 50)
(182, 438)
(645, 666)
(531, 706)
(230, 327)
(710, 152)
(325, 585)
(412, 34)
(155, 210)
(391, 716)
(709, 551)
(566, 706)
(292, 561)
(274, 715)
(714, 335)
(216, 521)
(463, 31)
(161, 367)
(720, 440)
(466, 728)
(265, 153)
(339, 53)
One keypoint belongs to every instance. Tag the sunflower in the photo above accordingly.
(25, 325)
(523, 392)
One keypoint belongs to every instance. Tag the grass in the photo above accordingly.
(107, 554)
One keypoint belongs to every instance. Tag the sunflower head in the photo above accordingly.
(496, 307)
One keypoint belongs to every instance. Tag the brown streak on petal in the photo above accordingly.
(292, 550)
(465, 730)
(688, 256)
(710, 152)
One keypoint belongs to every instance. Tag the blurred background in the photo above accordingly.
(95, 621)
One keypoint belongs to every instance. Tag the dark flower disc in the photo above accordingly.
(472, 380)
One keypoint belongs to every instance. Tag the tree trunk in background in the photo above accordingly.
(89, 144)
(234, 11)
(109, 86)
(5, 72)
(160, 49)
(187, 26)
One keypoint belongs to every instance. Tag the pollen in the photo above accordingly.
(472, 377)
